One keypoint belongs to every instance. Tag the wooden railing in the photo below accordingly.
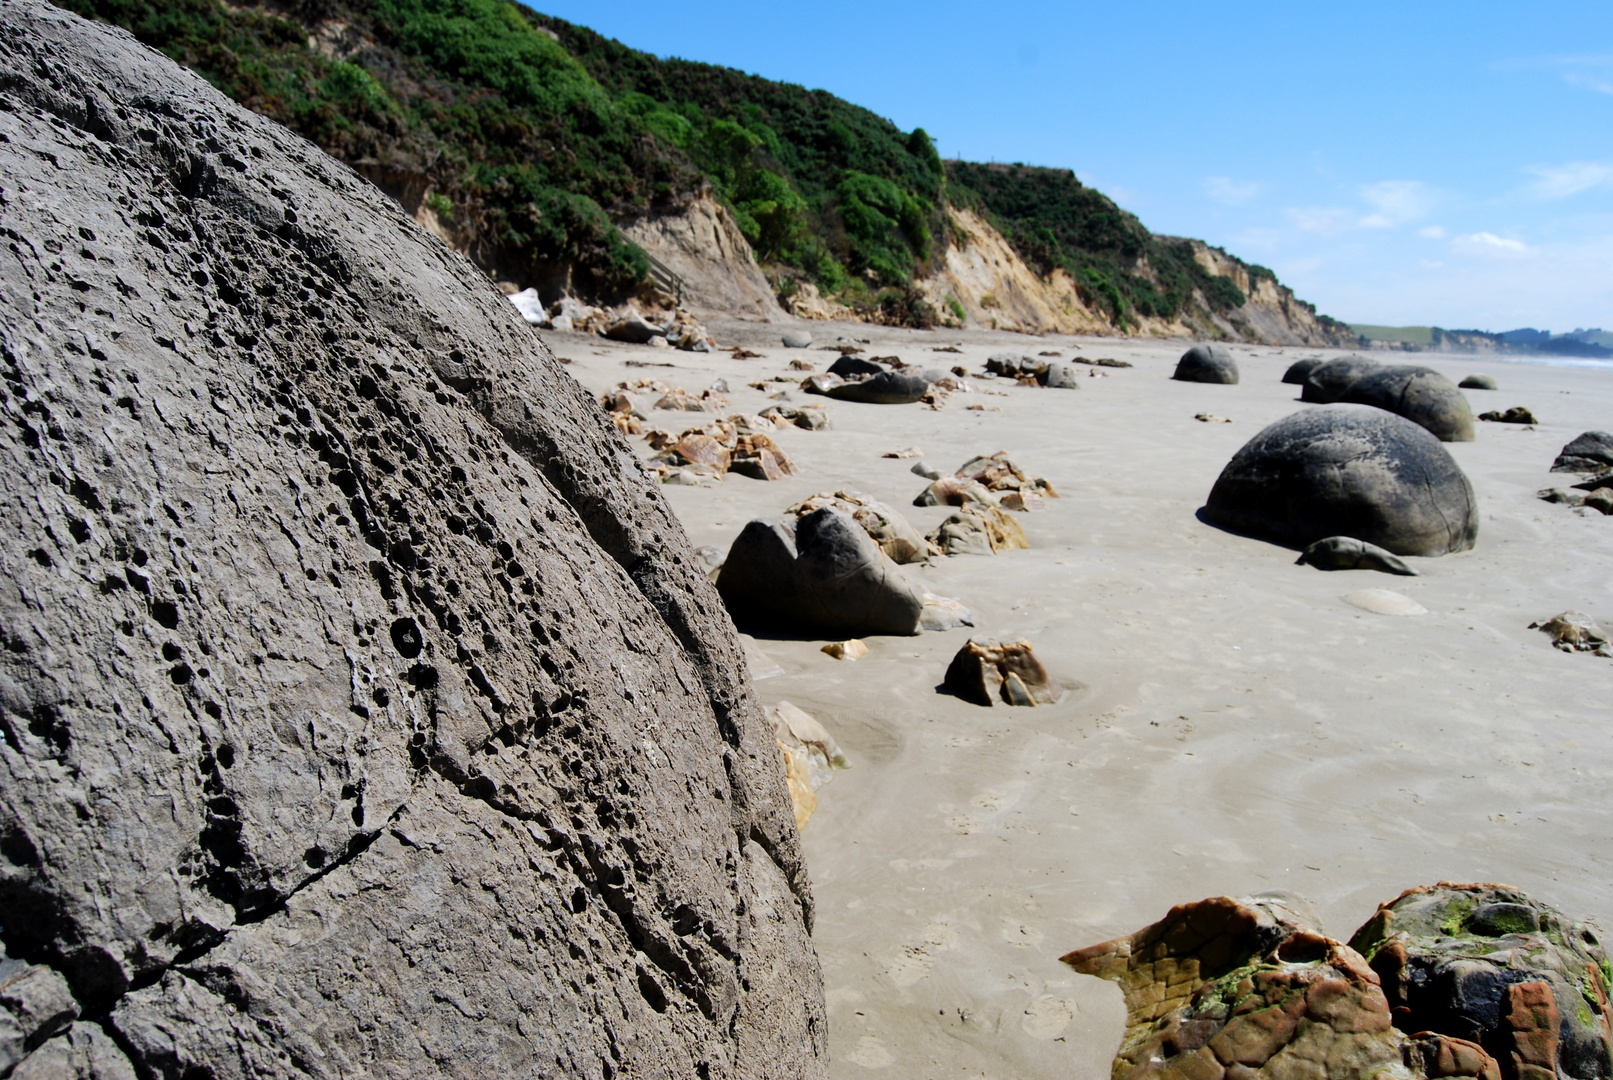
(663, 275)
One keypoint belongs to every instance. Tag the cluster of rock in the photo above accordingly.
(628, 410)
(1575, 631)
(1421, 395)
(678, 329)
(738, 444)
(1589, 453)
(1347, 471)
(994, 480)
(1518, 414)
(1473, 981)
(988, 672)
(367, 711)
(1035, 371)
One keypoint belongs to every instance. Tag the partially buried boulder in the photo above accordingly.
(1059, 375)
(1488, 965)
(819, 574)
(886, 388)
(978, 530)
(1329, 382)
(1517, 414)
(1207, 362)
(1348, 553)
(797, 339)
(1347, 470)
(1422, 395)
(366, 710)
(1590, 452)
(1300, 369)
(988, 672)
(851, 367)
(1479, 382)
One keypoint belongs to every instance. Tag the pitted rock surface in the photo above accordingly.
(365, 709)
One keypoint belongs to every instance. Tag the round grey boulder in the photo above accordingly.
(1479, 382)
(820, 574)
(886, 388)
(1422, 395)
(851, 366)
(1061, 376)
(797, 339)
(1299, 369)
(1328, 382)
(1347, 470)
(1207, 362)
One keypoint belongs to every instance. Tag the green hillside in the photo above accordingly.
(531, 136)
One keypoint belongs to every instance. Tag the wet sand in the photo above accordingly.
(1234, 724)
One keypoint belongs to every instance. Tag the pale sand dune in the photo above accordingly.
(1238, 726)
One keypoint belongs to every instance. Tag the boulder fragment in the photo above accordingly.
(1575, 631)
(886, 388)
(850, 649)
(1591, 452)
(1347, 470)
(1348, 553)
(986, 672)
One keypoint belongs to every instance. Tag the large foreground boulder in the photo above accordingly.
(1491, 966)
(819, 574)
(1207, 362)
(1347, 470)
(1327, 383)
(364, 710)
(1422, 395)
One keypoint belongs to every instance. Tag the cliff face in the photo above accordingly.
(363, 710)
(702, 245)
(1270, 314)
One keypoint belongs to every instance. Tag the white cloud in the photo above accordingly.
(1432, 232)
(1561, 181)
(1490, 245)
(1395, 202)
(1224, 189)
(1321, 220)
(1599, 83)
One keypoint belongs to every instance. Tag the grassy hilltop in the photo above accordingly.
(533, 135)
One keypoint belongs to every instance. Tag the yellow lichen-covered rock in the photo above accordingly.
(797, 773)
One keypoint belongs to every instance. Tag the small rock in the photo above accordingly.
(1211, 418)
(797, 339)
(986, 671)
(719, 387)
(1348, 553)
(802, 365)
(1479, 382)
(944, 613)
(1560, 495)
(1600, 500)
(910, 452)
(680, 399)
(1024, 501)
(926, 471)
(1574, 631)
(1059, 376)
(978, 530)
(760, 458)
(850, 649)
(810, 417)
(1518, 414)
(697, 449)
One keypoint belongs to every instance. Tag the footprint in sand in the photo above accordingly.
(871, 1053)
(915, 961)
(1047, 1017)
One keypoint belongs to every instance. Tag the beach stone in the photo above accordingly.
(955, 491)
(1242, 989)
(1518, 414)
(990, 672)
(894, 534)
(1348, 553)
(1490, 965)
(698, 449)
(1330, 381)
(822, 573)
(1479, 382)
(811, 418)
(852, 367)
(886, 388)
(1207, 362)
(929, 472)
(1600, 499)
(335, 612)
(1422, 395)
(850, 649)
(1574, 631)
(944, 613)
(760, 458)
(797, 339)
(1560, 495)
(963, 534)
(1060, 375)
(1300, 369)
(1010, 364)
(1590, 452)
(1384, 602)
(632, 328)
(1347, 470)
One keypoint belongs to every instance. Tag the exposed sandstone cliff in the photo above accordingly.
(703, 246)
(363, 708)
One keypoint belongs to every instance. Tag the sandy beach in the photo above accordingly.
(1233, 725)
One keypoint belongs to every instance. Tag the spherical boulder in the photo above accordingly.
(797, 339)
(1299, 369)
(1422, 395)
(1328, 382)
(886, 388)
(1347, 470)
(1207, 362)
(1479, 382)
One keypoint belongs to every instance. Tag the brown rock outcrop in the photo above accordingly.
(987, 672)
(365, 709)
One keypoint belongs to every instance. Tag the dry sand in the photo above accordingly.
(1236, 725)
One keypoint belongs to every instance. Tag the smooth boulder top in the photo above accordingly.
(850, 366)
(369, 673)
(1207, 362)
(1479, 382)
(1591, 451)
(1328, 382)
(797, 339)
(1299, 369)
(886, 388)
(821, 573)
(1347, 470)
(1422, 395)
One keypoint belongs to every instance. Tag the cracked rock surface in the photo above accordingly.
(363, 708)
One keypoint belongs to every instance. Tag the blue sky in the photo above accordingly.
(1396, 163)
